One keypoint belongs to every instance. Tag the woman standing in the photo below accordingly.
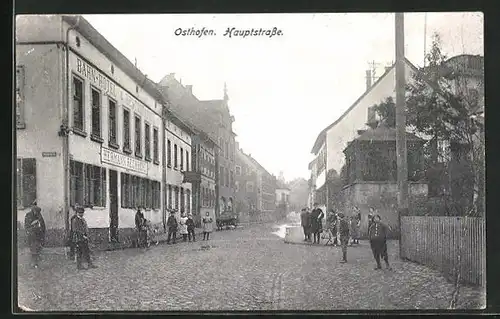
(183, 230)
(34, 225)
(207, 226)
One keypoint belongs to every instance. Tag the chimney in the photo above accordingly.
(368, 79)
(237, 145)
(171, 76)
(189, 88)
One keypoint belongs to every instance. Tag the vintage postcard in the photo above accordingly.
(250, 162)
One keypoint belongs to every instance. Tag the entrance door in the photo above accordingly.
(113, 206)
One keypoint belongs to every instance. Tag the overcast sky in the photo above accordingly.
(283, 90)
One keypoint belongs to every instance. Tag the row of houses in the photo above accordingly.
(345, 171)
(92, 129)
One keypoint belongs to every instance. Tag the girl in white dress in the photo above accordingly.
(183, 227)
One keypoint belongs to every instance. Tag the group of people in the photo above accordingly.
(347, 229)
(186, 227)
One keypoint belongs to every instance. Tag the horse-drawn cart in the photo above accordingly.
(227, 219)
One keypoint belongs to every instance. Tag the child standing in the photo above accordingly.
(190, 227)
(207, 226)
(183, 227)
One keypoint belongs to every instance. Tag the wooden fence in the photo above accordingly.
(447, 244)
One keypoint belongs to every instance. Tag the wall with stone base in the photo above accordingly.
(383, 197)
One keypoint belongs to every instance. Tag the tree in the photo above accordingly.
(386, 111)
(440, 106)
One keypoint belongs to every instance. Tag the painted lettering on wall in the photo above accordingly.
(96, 77)
(114, 158)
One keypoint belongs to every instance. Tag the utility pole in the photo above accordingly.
(402, 165)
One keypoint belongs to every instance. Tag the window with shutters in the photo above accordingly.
(96, 115)
(188, 201)
(147, 142)
(126, 131)
(87, 185)
(112, 124)
(20, 88)
(182, 158)
(156, 154)
(137, 126)
(175, 156)
(78, 105)
(187, 160)
(169, 153)
(26, 182)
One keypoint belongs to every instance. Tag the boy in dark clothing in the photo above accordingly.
(34, 225)
(316, 222)
(344, 235)
(378, 241)
(81, 239)
(304, 221)
(71, 244)
(172, 227)
(190, 227)
(139, 227)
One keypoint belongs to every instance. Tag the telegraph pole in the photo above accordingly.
(402, 165)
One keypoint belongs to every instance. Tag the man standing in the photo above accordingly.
(34, 226)
(81, 239)
(316, 222)
(139, 226)
(304, 221)
(344, 235)
(172, 227)
(378, 241)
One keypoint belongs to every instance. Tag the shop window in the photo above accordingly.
(112, 124)
(126, 132)
(20, 87)
(78, 106)
(147, 142)
(182, 200)
(170, 197)
(26, 182)
(176, 197)
(96, 115)
(137, 126)
(156, 195)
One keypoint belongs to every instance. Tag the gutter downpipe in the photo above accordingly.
(66, 124)
(164, 108)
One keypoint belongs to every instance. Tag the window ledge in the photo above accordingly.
(127, 150)
(169, 165)
(138, 155)
(113, 145)
(20, 126)
(97, 208)
(147, 158)
(96, 138)
(78, 131)
(157, 162)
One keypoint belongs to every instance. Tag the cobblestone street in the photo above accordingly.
(248, 268)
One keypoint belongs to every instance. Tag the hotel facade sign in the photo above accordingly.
(109, 156)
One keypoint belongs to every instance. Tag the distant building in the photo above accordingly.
(214, 118)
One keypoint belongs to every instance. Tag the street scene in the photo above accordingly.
(238, 163)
